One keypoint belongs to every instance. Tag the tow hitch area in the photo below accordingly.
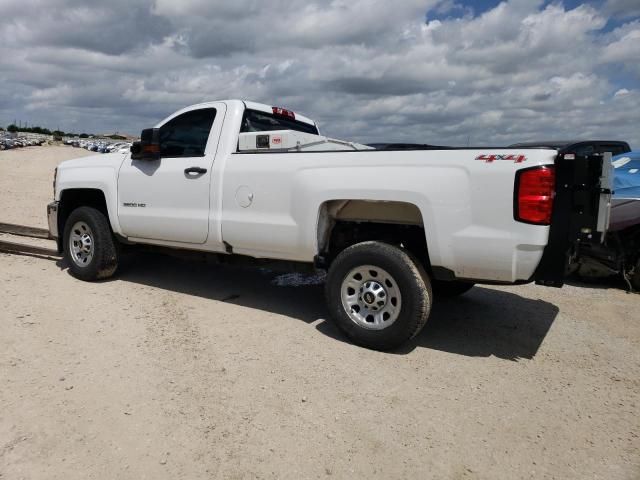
(25, 248)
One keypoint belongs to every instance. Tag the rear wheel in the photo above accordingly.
(89, 245)
(378, 295)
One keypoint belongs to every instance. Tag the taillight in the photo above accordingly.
(55, 177)
(535, 189)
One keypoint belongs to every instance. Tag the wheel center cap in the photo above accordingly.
(373, 295)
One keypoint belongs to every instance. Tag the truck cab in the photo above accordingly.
(170, 200)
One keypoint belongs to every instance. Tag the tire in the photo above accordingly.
(455, 288)
(89, 246)
(355, 295)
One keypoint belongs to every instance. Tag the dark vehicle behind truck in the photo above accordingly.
(581, 147)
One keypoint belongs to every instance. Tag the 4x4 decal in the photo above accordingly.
(493, 157)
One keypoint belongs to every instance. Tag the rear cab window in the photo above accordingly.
(615, 149)
(599, 148)
(256, 121)
(584, 150)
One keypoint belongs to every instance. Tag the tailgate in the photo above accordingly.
(580, 213)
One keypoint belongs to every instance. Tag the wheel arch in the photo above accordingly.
(73, 198)
(344, 222)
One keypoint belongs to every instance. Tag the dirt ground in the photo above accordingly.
(186, 370)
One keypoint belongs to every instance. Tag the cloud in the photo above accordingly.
(367, 70)
(622, 8)
(113, 27)
(623, 47)
(213, 29)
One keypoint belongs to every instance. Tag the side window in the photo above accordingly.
(186, 135)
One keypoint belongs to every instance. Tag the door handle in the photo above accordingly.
(197, 170)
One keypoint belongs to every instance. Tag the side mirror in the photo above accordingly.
(148, 148)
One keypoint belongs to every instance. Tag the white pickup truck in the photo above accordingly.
(395, 227)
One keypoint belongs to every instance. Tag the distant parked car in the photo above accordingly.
(114, 147)
(125, 148)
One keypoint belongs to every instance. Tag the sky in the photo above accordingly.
(442, 72)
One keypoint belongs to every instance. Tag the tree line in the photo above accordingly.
(13, 128)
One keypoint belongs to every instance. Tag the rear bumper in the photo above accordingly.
(52, 218)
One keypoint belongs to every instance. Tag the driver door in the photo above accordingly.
(168, 199)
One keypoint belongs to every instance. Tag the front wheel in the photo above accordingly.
(378, 295)
(89, 246)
